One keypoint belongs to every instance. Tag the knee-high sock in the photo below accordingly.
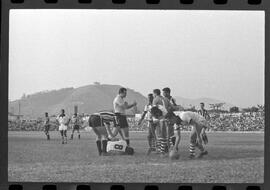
(158, 144)
(127, 140)
(192, 149)
(153, 144)
(104, 146)
(171, 143)
(99, 146)
(163, 145)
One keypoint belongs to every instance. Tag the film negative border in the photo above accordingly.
(6, 5)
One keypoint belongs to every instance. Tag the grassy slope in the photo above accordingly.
(233, 158)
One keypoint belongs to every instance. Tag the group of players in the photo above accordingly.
(164, 125)
(63, 121)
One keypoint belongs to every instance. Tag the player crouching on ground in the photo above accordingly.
(100, 123)
(63, 121)
(198, 135)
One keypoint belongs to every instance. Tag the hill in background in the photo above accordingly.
(89, 99)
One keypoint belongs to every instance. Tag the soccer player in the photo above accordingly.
(203, 112)
(165, 132)
(119, 148)
(75, 120)
(173, 119)
(47, 126)
(100, 123)
(197, 136)
(151, 126)
(120, 106)
(63, 121)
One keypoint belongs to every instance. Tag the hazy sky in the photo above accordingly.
(216, 54)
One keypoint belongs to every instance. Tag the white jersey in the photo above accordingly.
(116, 146)
(119, 105)
(187, 116)
(147, 109)
(63, 120)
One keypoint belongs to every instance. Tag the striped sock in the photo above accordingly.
(192, 149)
(163, 145)
(158, 146)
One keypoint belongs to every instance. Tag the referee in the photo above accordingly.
(120, 106)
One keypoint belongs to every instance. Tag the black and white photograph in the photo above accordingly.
(136, 96)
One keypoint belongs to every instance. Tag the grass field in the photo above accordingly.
(232, 158)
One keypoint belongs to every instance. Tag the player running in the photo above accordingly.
(47, 126)
(63, 122)
(75, 121)
(151, 126)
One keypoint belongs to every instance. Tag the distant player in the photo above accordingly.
(203, 112)
(47, 126)
(75, 121)
(151, 126)
(63, 121)
(120, 106)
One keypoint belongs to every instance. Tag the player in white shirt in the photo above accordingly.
(120, 107)
(198, 135)
(63, 121)
(151, 126)
(119, 148)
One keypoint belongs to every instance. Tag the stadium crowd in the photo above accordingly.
(218, 122)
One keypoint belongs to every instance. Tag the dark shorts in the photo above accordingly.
(76, 127)
(121, 121)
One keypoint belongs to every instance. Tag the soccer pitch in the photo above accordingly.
(232, 158)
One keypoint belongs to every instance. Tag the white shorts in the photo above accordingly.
(62, 127)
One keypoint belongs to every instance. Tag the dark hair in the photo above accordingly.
(167, 89)
(122, 90)
(46, 113)
(156, 91)
(150, 95)
(202, 103)
(155, 111)
(129, 150)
